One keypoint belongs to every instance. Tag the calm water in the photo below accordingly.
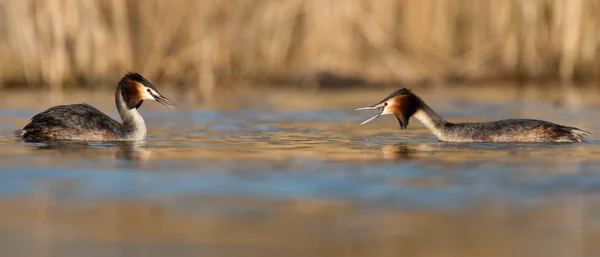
(291, 173)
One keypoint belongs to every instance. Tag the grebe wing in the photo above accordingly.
(511, 125)
(75, 116)
(503, 126)
(530, 130)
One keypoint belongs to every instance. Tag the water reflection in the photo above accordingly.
(275, 175)
(121, 150)
(400, 151)
(466, 153)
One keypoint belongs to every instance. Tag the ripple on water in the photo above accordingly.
(315, 172)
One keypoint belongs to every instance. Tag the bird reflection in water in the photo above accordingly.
(400, 151)
(132, 151)
(408, 151)
(125, 150)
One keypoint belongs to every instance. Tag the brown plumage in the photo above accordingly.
(84, 122)
(405, 104)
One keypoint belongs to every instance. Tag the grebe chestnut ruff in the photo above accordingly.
(405, 104)
(84, 122)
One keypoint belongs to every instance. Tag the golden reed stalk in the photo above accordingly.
(62, 42)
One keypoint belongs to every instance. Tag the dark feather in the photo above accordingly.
(138, 78)
(399, 92)
(68, 118)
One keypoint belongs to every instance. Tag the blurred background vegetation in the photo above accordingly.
(207, 43)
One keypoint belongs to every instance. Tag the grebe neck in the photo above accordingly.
(431, 120)
(134, 127)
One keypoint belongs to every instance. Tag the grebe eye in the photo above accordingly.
(149, 90)
(385, 104)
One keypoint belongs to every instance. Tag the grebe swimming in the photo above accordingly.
(405, 104)
(84, 122)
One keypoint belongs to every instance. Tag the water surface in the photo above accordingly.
(291, 173)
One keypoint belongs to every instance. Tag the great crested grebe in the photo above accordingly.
(405, 104)
(84, 122)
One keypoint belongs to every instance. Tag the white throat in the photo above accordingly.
(428, 121)
(133, 123)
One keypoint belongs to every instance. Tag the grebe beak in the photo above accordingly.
(376, 107)
(163, 100)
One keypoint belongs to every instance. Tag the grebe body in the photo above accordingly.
(84, 122)
(405, 104)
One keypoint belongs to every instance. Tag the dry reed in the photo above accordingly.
(60, 42)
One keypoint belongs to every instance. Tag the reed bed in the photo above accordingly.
(203, 43)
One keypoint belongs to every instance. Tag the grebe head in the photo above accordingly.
(402, 103)
(135, 89)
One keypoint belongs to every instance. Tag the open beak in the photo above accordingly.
(163, 100)
(376, 107)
